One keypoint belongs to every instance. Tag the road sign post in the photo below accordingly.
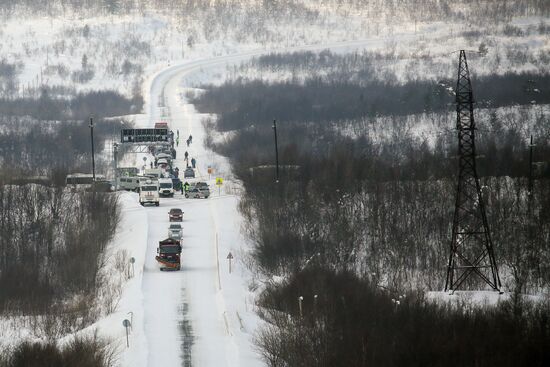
(229, 257)
(219, 183)
(126, 323)
(132, 261)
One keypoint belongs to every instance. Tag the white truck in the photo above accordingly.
(149, 193)
(153, 172)
(166, 187)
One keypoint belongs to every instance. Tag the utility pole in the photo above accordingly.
(531, 253)
(276, 151)
(115, 163)
(92, 139)
(471, 245)
(530, 187)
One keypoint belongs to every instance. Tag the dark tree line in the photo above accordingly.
(242, 103)
(348, 321)
(40, 148)
(49, 136)
(79, 106)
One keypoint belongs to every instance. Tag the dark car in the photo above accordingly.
(189, 173)
(175, 214)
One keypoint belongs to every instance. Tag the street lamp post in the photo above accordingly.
(276, 151)
(92, 139)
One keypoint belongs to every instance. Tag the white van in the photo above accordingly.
(129, 183)
(149, 193)
(166, 187)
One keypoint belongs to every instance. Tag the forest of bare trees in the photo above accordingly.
(52, 246)
(364, 222)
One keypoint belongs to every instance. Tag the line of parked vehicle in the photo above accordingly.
(169, 250)
(162, 180)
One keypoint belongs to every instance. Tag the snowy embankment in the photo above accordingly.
(125, 281)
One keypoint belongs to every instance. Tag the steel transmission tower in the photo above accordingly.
(471, 245)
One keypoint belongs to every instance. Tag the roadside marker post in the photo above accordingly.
(229, 257)
(132, 261)
(126, 323)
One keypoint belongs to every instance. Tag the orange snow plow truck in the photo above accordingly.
(168, 254)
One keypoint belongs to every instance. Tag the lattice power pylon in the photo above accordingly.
(471, 246)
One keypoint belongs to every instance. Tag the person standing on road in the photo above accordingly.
(178, 141)
(193, 162)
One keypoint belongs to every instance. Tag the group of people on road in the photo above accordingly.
(189, 139)
(193, 160)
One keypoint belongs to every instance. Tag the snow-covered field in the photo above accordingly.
(202, 315)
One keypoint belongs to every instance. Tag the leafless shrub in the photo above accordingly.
(85, 351)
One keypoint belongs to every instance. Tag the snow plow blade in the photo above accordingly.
(168, 265)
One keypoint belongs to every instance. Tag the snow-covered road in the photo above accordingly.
(203, 296)
(201, 315)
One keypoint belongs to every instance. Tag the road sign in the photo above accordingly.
(219, 181)
(143, 135)
(210, 170)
